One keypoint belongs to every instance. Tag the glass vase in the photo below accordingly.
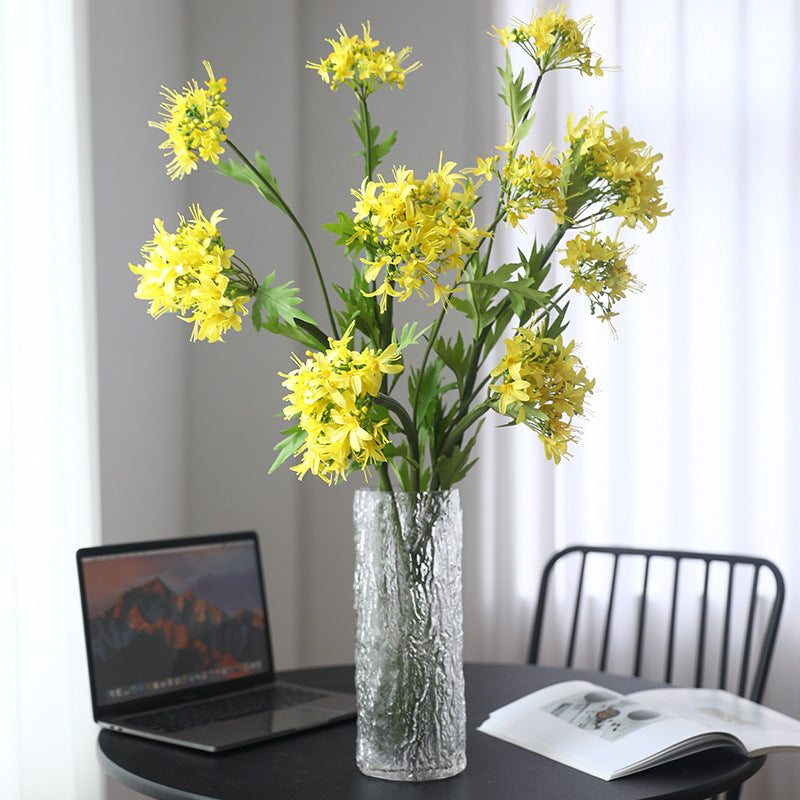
(411, 723)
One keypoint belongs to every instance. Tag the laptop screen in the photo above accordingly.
(167, 616)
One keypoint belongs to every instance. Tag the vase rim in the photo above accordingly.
(434, 493)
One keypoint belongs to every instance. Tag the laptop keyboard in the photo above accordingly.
(270, 698)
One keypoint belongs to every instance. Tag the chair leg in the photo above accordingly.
(733, 794)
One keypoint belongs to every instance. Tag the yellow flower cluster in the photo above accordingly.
(331, 392)
(627, 169)
(195, 122)
(544, 385)
(531, 182)
(187, 273)
(416, 231)
(599, 270)
(358, 63)
(553, 41)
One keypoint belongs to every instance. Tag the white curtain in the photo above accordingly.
(47, 403)
(692, 440)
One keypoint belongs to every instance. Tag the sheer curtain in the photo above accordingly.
(47, 402)
(691, 439)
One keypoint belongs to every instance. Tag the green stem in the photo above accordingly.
(409, 428)
(475, 363)
(431, 339)
(367, 129)
(461, 426)
(479, 386)
(385, 480)
(243, 272)
(387, 323)
(281, 203)
(455, 435)
(552, 243)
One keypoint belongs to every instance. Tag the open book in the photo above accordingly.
(609, 735)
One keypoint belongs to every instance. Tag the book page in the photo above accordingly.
(592, 728)
(760, 729)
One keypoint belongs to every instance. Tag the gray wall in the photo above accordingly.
(143, 364)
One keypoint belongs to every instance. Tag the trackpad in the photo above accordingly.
(256, 727)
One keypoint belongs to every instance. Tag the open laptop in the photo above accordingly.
(178, 645)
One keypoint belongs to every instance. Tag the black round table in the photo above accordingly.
(320, 764)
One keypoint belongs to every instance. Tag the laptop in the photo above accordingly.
(178, 645)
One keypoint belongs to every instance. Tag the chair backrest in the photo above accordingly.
(736, 602)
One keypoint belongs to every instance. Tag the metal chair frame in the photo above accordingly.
(679, 557)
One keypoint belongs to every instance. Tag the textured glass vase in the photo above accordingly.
(409, 638)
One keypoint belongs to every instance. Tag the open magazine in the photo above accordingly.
(606, 734)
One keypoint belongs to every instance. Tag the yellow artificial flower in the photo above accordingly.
(543, 384)
(485, 168)
(612, 170)
(195, 122)
(189, 273)
(553, 41)
(331, 392)
(530, 183)
(417, 230)
(600, 271)
(357, 62)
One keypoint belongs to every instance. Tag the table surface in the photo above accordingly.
(320, 764)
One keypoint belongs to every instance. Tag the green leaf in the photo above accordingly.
(502, 321)
(524, 128)
(454, 356)
(358, 308)
(265, 172)
(368, 136)
(360, 128)
(425, 388)
(507, 80)
(520, 289)
(532, 264)
(278, 302)
(463, 307)
(554, 329)
(453, 467)
(233, 169)
(380, 151)
(518, 96)
(345, 229)
(402, 469)
(264, 182)
(275, 308)
(409, 335)
(308, 335)
(498, 276)
(293, 439)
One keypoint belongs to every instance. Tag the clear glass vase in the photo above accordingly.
(409, 637)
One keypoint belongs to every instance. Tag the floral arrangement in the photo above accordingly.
(355, 399)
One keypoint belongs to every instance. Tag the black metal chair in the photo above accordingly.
(687, 618)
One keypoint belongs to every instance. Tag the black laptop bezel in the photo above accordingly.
(105, 711)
